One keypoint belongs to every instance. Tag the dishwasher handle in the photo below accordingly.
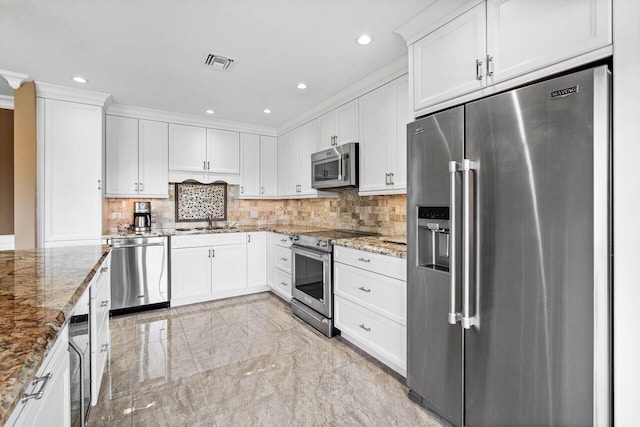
(137, 245)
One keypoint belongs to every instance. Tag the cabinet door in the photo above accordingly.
(223, 151)
(72, 173)
(250, 145)
(121, 149)
(294, 142)
(347, 122)
(54, 407)
(376, 121)
(268, 166)
(402, 114)
(256, 259)
(444, 62)
(272, 241)
(309, 145)
(187, 148)
(523, 35)
(190, 272)
(283, 165)
(153, 149)
(326, 130)
(229, 267)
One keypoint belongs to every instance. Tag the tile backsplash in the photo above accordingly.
(382, 214)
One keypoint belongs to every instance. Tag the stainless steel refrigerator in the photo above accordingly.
(509, 256)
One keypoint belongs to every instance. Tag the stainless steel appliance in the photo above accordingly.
(139, 273)
(79, 363)
(141, 216)
(509, 257)
(335, 167)
(311, 274)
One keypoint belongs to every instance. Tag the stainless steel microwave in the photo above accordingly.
(335, 167)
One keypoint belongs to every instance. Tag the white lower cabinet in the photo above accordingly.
(279, 265)
(53, 408)
(100, 338)
(370, 304)
(206, 267)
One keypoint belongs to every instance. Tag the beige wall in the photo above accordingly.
(25, 166)
(6, 171)
(382, 214)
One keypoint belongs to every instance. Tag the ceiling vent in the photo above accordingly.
(216, 62)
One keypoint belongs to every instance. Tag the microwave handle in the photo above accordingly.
(340, 168)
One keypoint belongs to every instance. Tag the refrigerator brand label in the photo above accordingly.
(564, 92)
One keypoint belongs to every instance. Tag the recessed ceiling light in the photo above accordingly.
(210, 111)
(302, 86)
(79, 79)
(364, 40)
(266, 111)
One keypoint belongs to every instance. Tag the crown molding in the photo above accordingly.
(380, 77)
(14, 79)
(6, 102)
(187, 119)
(63, 93)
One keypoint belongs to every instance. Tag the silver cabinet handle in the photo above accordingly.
(208, 165)
(284, 240)
(248, 238)
(135, 184)
(489, 66)
(99, 184)
(103, 269)
(43, 380)
(285, 259)
(261, 190)
(478, 69)
(364, 259)
(362, 326)
(467, 165)
(105, 347)
(391, 175)
(141, 186)
(284, 283)
(386, 179)
(104, 303)
(213, 253)
(454, 316)
(241, 189)
(363, 289)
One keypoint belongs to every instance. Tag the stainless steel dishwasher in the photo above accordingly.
(139, 273)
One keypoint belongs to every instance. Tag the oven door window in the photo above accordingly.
(327, 170)
(309, 276)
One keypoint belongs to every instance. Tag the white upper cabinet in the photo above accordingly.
(153, 159)
(338, 126)
(506, 42)
(283, 165)
(524, 35)
(137, 154)
(294, 161)
(223, 151)
(187, 148)
(268, 166)
(250, 156)
(309, 145)
(292, 146)
(384, 114)
(449, 61)
(72, 137)
(122, 156)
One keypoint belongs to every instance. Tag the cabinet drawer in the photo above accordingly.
(100, 307)
(98, 362)
(382, 294)
(102, 278)
(283, 240)
(197, 240)
(381, 264)
(378, 335)
(283, 258)
(283, 282)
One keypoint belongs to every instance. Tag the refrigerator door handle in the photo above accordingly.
(467, 214)
(454, 316)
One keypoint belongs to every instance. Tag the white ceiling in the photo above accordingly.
(147, 53)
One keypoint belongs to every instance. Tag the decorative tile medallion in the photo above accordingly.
(196, 202)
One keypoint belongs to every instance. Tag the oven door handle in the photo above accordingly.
(322, 256)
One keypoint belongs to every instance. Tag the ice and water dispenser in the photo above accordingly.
(434, 243)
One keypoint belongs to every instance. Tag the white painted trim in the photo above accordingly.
(277, 292)
(14, 79)
(62, 93)
(383, 192)
(435, 15)
(40, 165)
(187, 119)
(179, 176)
(6, 102)
(380, 77)
(374, 352)
(577, 61)
(177, 302)
(7, 242)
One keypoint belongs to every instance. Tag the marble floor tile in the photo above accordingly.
(244, 361)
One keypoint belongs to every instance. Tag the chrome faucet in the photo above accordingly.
(210, 221)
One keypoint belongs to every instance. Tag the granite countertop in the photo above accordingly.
(38, 290)
(275, 228)
(395, 246)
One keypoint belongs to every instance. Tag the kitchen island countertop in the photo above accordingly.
(395, 246)
(38, 290)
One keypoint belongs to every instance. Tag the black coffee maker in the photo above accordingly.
(141, 216)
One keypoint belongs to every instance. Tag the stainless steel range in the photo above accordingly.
(312, 277)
